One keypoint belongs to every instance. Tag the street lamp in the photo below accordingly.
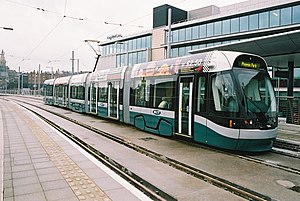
(7, 28)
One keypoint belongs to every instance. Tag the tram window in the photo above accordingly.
(49, 90)
(77, 92)
(141, 92)
(201, 107)
(102, 94)
(73, 92)
(163, 93)
(223, 93)
(80, 94)
(60, 91)
(56, 91)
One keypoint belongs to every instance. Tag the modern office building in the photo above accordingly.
(270, 28)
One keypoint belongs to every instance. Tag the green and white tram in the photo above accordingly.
(222, 99)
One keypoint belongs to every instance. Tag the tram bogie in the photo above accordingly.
(222, 99)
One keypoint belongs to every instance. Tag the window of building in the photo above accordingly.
(134, 44)
(119, 47)
(217, 28)
(296, 14)
(181, 51)
(286, 16)
(235, 25)
(130, 47)
(253, 22)
(182, 35)
(187, 49)
(142, 56)
(175, 36)
(188, 33)
(202, 46)
(244, 23)
(174, 52)
(263, 20)
(203, 31)
(195, 32)
(121, 60)
(149, 41)
(210, 29)
(130, 63)
(139, 43)
(143, 42)
(195, 47)
(274, 18)
(226, 27)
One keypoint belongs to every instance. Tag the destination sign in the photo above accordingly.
(248, 64)
(250, 61)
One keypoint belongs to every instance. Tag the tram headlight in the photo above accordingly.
(248, 122)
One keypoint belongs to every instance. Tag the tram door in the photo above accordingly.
(184, 116)
(113, 99)
(93, 98)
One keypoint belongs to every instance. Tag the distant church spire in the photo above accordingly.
(2, 59)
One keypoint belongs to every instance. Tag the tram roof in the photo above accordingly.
(211, 61)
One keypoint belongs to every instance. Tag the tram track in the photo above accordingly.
(195, 172)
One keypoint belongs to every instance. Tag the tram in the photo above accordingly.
(220, 98)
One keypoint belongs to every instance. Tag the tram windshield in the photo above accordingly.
(258, 95)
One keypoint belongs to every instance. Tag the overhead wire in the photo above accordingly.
(40, 43)
(77, 18)
(72, 17)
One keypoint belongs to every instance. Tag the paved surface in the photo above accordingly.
(39, 164)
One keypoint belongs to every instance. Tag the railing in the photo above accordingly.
(290, 109)
(22, 92)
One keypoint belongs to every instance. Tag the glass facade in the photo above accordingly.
(255, 21)
(129, 52)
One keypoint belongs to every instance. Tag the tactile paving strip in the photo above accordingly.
(83, 187)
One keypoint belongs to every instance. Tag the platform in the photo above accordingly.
(38, 163)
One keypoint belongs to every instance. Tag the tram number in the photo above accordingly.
(156, 112)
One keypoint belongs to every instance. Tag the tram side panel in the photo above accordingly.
(48, 92)
(152, 102)
(77, 92)
(61, 91)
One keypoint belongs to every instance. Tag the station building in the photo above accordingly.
(269, 28)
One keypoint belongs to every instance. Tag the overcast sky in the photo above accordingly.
(42, 35)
